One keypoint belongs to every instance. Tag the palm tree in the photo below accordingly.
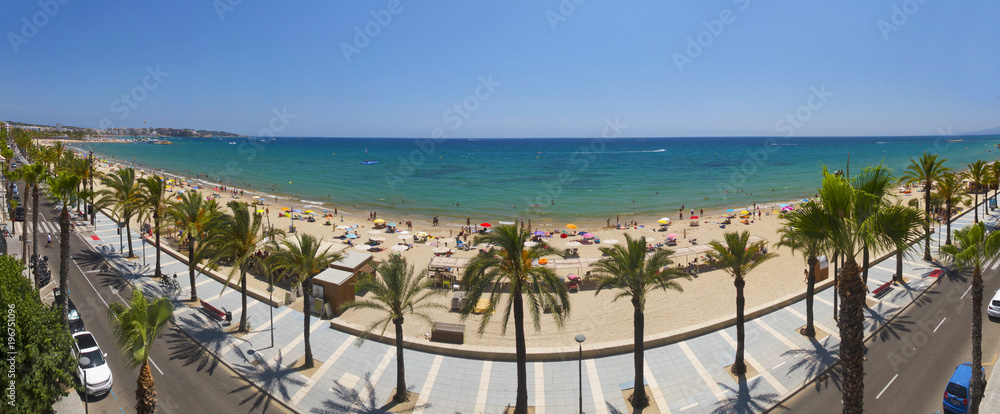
(899, 230)
(399, 292)
(303, 259)
(63, 189)
(194, 217)
(7, 154)
(738, 257)
(974, 246)
(950, 188)
(925, 170)
(994, 168)
(237, 238)
(978, 173)
(876, 183)
(511, 271)
(155, 204)
(628, 270)
(806, 232)
(33, 176)
(136, 326)
(121, 193)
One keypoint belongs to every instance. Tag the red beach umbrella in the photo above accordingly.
(486, 225)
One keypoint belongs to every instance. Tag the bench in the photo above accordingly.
(448, 333)
(883, 290)
(936, 273)
(216, 312)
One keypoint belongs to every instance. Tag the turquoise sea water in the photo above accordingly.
(500, 179)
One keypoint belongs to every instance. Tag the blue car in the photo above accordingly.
(958, 396)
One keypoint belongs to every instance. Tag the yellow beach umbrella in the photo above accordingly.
(571, 226)
(377, 220)
(308, 212)
(744, 212)
(663, 221)
(260, 211)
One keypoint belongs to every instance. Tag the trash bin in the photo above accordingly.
(291, 229)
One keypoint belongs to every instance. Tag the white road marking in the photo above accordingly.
(688, 407)
(939, 325)
(966, 293)
(382, 365)
(539, 388)
(753, 361)
(886, 386)
(425, 392)
(779, 365)
(654, 388)
(484, 387)
(595, 387)
(311, 382)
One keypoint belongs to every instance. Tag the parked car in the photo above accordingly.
(19, 213)
(98, 375)
(993, 308)
(75, 321)
(957, 395)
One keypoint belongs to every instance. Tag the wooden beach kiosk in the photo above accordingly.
(335, 286)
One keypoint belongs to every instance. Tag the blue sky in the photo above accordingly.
(558, 68)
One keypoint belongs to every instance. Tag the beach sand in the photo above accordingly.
(708, 296)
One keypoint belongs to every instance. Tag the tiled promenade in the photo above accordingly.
(688, 376)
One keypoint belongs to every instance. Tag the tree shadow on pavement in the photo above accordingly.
(887, 329)
(189, 353)
(816, 361)
(744, 399)
(359, 402)
(272, 378)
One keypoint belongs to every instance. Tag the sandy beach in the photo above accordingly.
(709, 295)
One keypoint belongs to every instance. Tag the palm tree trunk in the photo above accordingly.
(156, 222)
(639, 398)
(24, 237)
(400, 395)
(927, 220)
(145, 391)
(810, 331)
(128, 235)
(64, 258)
(34, 227)
(977, 338)
(194, 288)
(93, 211)
(852, 346)
(739, 367)
(975, 207)
(864, 264)
(243, 293)
(307, 290)
(947, 219)
(898, 277)
(521, 402)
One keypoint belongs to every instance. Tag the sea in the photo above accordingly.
(547, 180)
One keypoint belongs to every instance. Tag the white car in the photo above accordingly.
(98, 375)
(993, 308)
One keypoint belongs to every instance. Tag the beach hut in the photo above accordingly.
(335, 285)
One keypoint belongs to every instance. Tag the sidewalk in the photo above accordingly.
(70, 404)
(688, 376)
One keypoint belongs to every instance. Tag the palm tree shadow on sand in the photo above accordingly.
(816, 363)
(273, 378)
(744, 400)
(350, 400)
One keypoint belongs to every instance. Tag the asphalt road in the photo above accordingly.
(910, 362)
(188, 379)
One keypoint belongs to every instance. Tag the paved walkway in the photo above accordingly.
(688, 376)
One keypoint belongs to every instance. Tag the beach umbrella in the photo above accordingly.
(441, 250)
(573, 244)
(587, 235)
(403, 232)
(530, 244)
(730, 210)
(672, 236)
(286, 209)
(609, 241)
(783, 205)
(256, 196)
(296, 211)
(539, 233)
(374, 231)
(378, 239)
(310, 212)
(342, 227)
(391, 224)
(362, 247)
(379, 221)
(422, 234)
(694, 217)
(406, 236)
(663, 221)
(805, 199)
(571, 226)
(400, 247)
(351, 236)
(260, 211)
(486, 225)
(742, 212)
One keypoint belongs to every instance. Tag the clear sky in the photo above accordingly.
(519, 68)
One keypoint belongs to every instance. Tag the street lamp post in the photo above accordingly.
(579, 339)
(84, 361)
(121, 244)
